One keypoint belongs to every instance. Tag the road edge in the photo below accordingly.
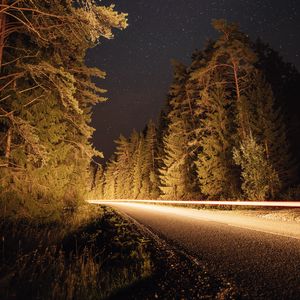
(227, 289)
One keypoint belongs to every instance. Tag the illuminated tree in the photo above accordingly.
(176, 173)
(234, 101)
(124, 167)
(138, 144)
(234, 59)
(47, 92)
(268, 128)
(221, 75)
(99, 181)
(149, 178)
(259, 177)
(110, 179)
(218, 176)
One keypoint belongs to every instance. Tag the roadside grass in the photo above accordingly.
(92, 254)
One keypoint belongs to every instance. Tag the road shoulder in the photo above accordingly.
(177, 275)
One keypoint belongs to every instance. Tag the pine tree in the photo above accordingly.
(234, 102)
(235, 60)
(47, 93)
(220, 76)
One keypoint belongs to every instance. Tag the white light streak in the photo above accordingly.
(231, 218)
(217, 203)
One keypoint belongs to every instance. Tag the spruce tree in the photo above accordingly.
(176, 173)
(123, 170)
(99, 181)
(110, 180)
(137, 166)
(259, 177)
(268, 128)
(218, 176)
(150, 166)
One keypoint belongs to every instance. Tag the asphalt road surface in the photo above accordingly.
(266, 265)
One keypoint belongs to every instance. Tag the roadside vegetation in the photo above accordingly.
(92, 254)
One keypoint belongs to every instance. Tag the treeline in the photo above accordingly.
(46, 96)
(132, 173)
(226, 131)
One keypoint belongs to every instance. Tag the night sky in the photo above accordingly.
(137, 60)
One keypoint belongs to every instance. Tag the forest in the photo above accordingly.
(229, 130)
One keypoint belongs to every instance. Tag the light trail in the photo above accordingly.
(231, 218)
(294, 204)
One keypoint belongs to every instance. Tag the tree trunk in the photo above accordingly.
(2, 32)
(8, 143)
(238, 95)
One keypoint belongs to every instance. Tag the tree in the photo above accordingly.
(175, 175)
(259, 177)
(99, 181)
(138, 144)
(221, 81)
(268, 129)
(47, 93)
(284, 80)
(110, 179)
(235, 102)
(218, 176)
(123, 163)
(148, 166)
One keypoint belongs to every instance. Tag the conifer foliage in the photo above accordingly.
(222, 133)
(47, 93)
(132, 172)
(176, 177)
(259, 177)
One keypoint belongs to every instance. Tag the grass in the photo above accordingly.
(90, 255)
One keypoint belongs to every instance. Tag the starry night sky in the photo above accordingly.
(137, 60)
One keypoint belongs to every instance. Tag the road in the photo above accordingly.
(262, 259)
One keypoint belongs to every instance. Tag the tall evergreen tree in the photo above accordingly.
(47, 93)
(218, 176)
(110, 176)
(99, 181)
(150, 178)
(259, 177)
(123, 171)
(137, 166)
(235, 102)
(268, 128)
(176, 174)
